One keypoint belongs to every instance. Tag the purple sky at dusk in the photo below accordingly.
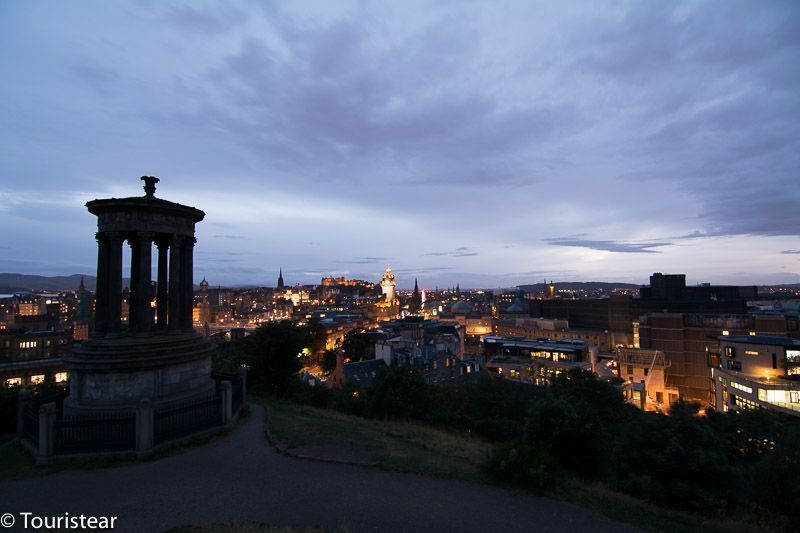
(483, 143)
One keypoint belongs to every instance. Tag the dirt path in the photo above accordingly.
(239, 478)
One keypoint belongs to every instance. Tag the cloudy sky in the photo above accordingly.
(484, 143)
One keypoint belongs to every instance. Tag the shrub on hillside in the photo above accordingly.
(398, 393)
(298, 391)
(494, 408)
(522, 465)
(775, 479)
(272, 355)
(572, 432)
(679, 460)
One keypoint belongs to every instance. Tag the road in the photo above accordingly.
(239, 478)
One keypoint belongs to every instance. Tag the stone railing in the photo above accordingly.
(51, 436)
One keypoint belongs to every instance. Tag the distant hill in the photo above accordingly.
(588, 286)
(10, 283)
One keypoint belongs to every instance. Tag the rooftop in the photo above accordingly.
(769, 340)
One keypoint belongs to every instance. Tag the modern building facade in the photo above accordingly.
(535, 361)
(757, 371)
(644, 375)
(687, 339)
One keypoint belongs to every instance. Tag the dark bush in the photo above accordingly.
(349, 399)
(679, 461)
(494, 408)
(572, 432)
(273, 355)
(298, 391)
(398, 393)
(775, 479)
(519, 464)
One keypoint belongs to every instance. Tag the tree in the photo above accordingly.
(572, 431)
(273, 354)
(775, 484)
(398, 392)
(678, 460)
(358, 345)
(316, 337)
(329, 360)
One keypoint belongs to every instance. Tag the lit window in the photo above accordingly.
(13, 382)
(726, 332)
(37, 379)
(741, 387)
(61, 377)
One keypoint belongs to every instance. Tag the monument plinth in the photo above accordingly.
(157, 355)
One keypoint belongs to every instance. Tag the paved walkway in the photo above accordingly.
(239, 478)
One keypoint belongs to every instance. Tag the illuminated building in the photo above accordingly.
(556, 329)
(415, 303)
(535, 361)
(201, 315)
(388, 307)
(28, 307)
(388, 286)
(359, 373)
(618, 312)
(645, 379)
(33, 357)
(345, 291)
(686, 339)
(476, 321)
(757, 371)
(414, 341)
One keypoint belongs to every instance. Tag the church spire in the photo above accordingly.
(280, 279)
(416, 299)
(82, 287)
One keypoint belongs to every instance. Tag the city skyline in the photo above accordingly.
(458, 143)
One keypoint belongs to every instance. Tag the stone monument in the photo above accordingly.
(157, 356)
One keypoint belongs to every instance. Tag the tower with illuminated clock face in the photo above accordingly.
(387, 286)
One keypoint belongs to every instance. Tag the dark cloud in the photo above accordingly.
(344, 104)
(422, 270)
(609, 246)
(462, 251)
(101, 78)
(792, 252)
(293, 123)
(364, 260)
(220, 17)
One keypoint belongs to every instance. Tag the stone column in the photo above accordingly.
(174, 284)
(101, 290)
(24, 399)
(145, 426)
(187, 284)
(133, 305)
(47, 420)
(114, 294)
(162, 291)
(243, 377)
(144, 287)
(226, 402)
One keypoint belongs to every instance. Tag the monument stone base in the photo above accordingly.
(112, 375)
